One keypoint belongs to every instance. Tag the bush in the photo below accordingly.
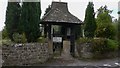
(84, 40)
(19, 38)
(106, 31)
(23, 38)
(113, 44)
(104, 46)
(6, 42)
(16, 37)
(4, 33)
(41, 40)
(100, 46)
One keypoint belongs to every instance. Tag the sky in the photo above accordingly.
(76, 7)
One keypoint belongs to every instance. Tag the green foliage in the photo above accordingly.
(113, 44)
(4, 33)
(103, 46)
(0, 35)
(30, 20)
(23, 19)
(105, 28)
(78, 31)
(100, 45)
(119, 12)
(6, 42)
(104, 10)
(47, 9)
(12, 18)
(106, 31)
(16, 37)
(41, 40)
(90, 24)
(84, 40)
(115, 26)
(23, 38)
(119, 30)
(19, 38)
(118, 36)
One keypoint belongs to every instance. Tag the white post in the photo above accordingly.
(83, 34)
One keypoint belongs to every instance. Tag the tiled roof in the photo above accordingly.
(59, 14)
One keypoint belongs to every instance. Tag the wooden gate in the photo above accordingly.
(57, 44)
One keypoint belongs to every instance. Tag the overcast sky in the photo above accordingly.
(76, 7)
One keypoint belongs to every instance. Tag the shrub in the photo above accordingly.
(23, 38)
(84, 40)
(113, 44)
(100, 46)
(41, 40)
(104, 48)
(16, 37)
(106, 31)
(19, 38)
(4, 33)
(6, 42)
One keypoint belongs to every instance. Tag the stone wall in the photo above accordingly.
(20, 55)
(85, 51)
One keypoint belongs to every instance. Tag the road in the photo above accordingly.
(75, 62)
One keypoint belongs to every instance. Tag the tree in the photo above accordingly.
(47, 9)
(90, 24)
(119, 29)
(119, 34)
(45, 26)
(12, 18)
(115, 25)
(105, 27)
(30, 20)
(119, 12)
(4, 33)
(103, 9)
(78, 31)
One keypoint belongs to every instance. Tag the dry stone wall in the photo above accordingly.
(20, 55)
(84, 50)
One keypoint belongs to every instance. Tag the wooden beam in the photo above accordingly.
(45, 30)
(72, 40)
(49, 31)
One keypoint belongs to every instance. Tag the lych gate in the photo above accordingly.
(59, 15)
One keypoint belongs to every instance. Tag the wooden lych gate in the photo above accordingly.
(59, 15)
